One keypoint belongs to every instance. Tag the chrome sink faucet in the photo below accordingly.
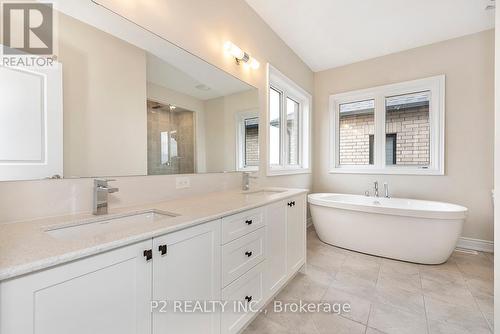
(246, 181)
(386, 190)
(101, 191)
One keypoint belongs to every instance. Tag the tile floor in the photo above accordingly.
(386, 296)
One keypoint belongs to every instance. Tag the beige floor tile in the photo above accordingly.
(308, 287)
(406, 281)
(388, 296)
(490, 256)
(298, 323)
(373, 331)
(362, 267)
(451, 293)
(326, 257)
(328, 323)
(398, 267)
(486, 305)
(263, 325)
(360, 307)
(392, 320)
(354, 285)
(400, 298)
(450, 318)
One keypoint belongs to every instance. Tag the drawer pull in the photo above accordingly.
(148, 254)
(162, 249)
(248, 254)
(248, 298)
(290, 204)
(248, 222)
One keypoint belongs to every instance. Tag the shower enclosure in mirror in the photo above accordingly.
(121, 102)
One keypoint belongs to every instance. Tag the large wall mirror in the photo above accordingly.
(122, 102)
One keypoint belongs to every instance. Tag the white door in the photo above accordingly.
(296, 232)
(108, 293)
(187, 267)
(31, 123)
(276, 224)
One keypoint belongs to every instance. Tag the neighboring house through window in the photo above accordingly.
(392, 129)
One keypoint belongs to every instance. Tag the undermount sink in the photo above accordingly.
(98, 226)
(263, 192)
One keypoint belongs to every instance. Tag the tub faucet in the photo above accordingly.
(386, 190)
(246, 181)
(375, 188)
(101, 191)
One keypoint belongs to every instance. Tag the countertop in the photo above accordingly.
(26, 246)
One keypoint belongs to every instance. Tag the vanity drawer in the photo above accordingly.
(242, 254)
(238, 225)
(247, 287)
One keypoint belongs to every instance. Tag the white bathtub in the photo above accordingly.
(404, 229)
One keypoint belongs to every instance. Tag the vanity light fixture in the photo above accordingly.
(241, 56)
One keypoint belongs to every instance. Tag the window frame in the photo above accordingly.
(241, 117)
(289, 89)
(436, 86)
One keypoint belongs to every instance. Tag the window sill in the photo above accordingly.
(387, 171)
(248, 169)
(280, 172)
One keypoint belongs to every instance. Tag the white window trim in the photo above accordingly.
(282, 83)
(436, 85)
(240, 139)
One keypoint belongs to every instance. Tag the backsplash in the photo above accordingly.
(42, 198)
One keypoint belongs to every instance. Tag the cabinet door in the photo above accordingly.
(103, 294)
(276, 272)
(190, 270)
(296, 233)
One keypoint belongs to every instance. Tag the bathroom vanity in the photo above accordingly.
(229, 246)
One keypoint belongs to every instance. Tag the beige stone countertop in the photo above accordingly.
(26, 247)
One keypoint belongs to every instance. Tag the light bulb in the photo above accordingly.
(254, 64)
(233, 50)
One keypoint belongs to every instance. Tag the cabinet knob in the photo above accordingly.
(162, 249)
(148, 254)
(248, 298)
(248, 254)
(248, 222)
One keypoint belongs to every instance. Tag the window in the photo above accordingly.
(247, 133)
(392, 129)
(288, 129)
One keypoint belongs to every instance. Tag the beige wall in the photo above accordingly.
(205, 26)
(220, 127)
(467, 63)
(98, 116)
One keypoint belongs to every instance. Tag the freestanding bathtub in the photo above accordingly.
(403, 229)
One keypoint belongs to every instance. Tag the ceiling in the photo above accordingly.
(332, 33)
(167, 64)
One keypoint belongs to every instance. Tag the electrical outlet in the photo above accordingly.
(182, 182)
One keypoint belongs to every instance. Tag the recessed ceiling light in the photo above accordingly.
(202, 87)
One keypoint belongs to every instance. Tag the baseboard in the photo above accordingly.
(475, 244)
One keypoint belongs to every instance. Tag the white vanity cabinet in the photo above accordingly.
(186, 267)
(241, 259)
(107, 293)
(286, 241)
(295, 233)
